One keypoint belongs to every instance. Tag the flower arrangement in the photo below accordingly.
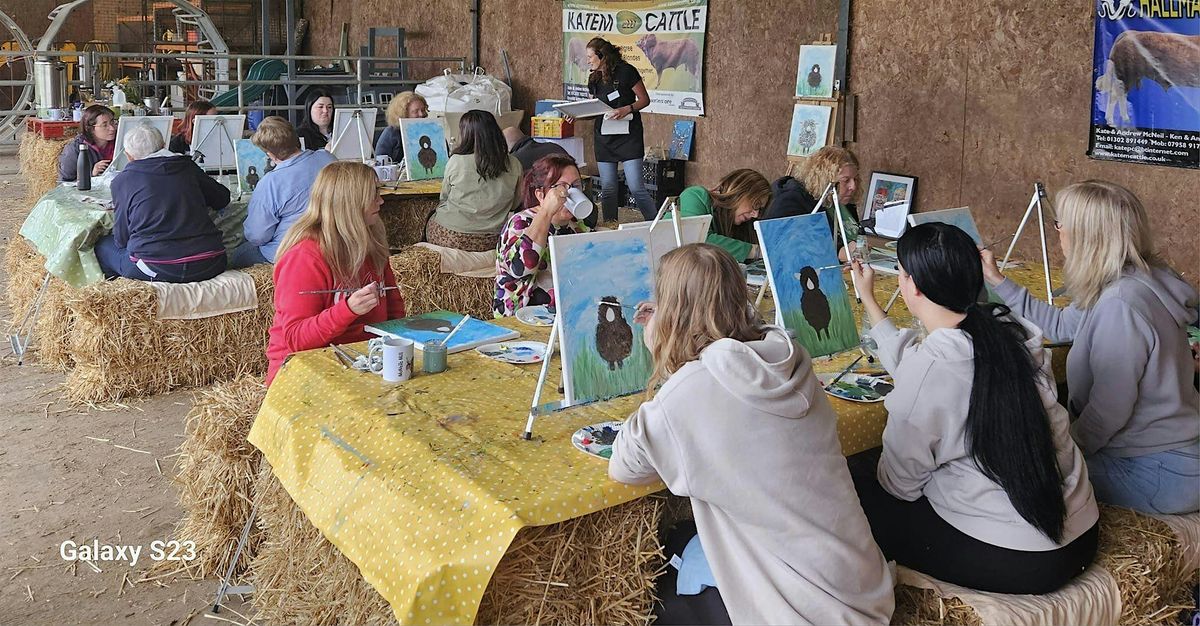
(133, 92)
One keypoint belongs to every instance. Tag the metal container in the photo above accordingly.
(49, 85)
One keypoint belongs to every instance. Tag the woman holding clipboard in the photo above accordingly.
(619, 85)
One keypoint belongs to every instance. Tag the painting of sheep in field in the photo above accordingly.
(811, 298)
(814, 77)
(599, 278)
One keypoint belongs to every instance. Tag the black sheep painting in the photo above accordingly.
(814, 76)
(813, 303)
(614, 336)
(427, 156)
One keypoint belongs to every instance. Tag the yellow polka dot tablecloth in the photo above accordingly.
(424, 484)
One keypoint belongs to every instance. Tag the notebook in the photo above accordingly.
(435, 325)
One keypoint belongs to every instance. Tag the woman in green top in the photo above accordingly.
(733, 203)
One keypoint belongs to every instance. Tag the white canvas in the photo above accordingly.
(214, 140)
(662, 238)
(353, 134)
(126, 122)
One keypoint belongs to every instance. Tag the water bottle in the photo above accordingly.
(83, 167)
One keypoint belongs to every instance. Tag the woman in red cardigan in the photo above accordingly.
(339, 243)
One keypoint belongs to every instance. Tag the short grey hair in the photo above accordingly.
(143, 140)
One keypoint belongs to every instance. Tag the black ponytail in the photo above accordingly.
(1007, 428)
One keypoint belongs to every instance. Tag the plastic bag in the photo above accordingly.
(465, 92)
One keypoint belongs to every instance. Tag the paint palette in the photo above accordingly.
(537, 315)
(597, 439)
(857, 387)
(756, 273)
(516, 352)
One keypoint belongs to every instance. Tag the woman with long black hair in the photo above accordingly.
(316, 126)
(979, 482)
(479, 188)
(619, 85)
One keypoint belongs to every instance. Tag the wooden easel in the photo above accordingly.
(837, 125)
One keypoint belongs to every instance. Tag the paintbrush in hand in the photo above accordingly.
(346, 290)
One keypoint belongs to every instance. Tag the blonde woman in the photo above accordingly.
(337, 244)
(405, 105)
(741, 427)
(1129, 371)
(734, 203)
(798, 196)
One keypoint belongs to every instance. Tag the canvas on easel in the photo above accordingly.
(425, 151)
(814, 75)
(599, 278)
(253, 164)
(353, 134)
(214, 141)
(961, 218)
(811, 299)
(693, 229)
(809, 130)
(160, 122)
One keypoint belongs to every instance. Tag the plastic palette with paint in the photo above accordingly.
(857, 387)
(597, 439)
(516, 352)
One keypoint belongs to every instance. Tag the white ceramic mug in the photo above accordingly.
(396, 354)
(578, 203)
(56, 115)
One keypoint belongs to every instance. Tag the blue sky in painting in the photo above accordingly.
(594, 269)
(413, 129)
(960, 217)
(796, 242)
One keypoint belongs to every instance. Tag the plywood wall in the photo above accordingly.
(977, 99)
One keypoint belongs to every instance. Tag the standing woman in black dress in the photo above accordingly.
(619, 85)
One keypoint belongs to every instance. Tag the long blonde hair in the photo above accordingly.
(336, 219)
(397, 109)
(736, 186)
(700, 296)
(823, 167)
(1109, 231)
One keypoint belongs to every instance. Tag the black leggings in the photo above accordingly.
(915, 536)
(706, 608)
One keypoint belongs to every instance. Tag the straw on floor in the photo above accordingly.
(596, 569)
(122, 349)
(215, 475)
(38, 159)
(426, 288)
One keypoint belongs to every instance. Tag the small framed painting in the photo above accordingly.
(889, 200)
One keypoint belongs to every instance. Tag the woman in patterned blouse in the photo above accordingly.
(523, 274)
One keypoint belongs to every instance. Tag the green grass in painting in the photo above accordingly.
(843, 330)
(591, 379)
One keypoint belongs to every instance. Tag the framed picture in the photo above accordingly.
(353, 130)
(810, 129)
(889, 200)
(814, 75)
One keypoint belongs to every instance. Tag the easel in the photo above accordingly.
(24, 329)
(225, 589)
(535, 407)
(355, 116)
(1039, 192)
(229, 140)
(837, 126)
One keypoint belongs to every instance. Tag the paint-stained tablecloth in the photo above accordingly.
(65, 224)
(423, 485)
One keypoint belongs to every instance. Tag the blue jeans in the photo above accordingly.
(245, 255)
(633, 179)
(115, 262)
(1166, 483)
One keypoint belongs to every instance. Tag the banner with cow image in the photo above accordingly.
(663, 39)
(1146, 82)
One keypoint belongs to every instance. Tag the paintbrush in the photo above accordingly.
(457, 327)
(623, 306)
(344, 290)
(997, 241)
(339, 357)
(845, 371)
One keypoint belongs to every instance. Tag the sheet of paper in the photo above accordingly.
(583, 108)
(616, 127)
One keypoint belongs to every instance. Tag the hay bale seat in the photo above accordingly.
(404, 217)
(51, 337)
(299, 577)
(38, 159)
(426, 288)
(1145, 556)
(215, 475)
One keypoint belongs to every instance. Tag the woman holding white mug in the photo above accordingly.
(553, 190)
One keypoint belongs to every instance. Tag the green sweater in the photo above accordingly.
(695, 201)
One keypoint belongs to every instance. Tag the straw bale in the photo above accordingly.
(1145, 556)
(426, 288)
(610, 586)
(51, 337)
(122, 349)
(39, 164)
(215, 475)
(924, 607)
(404, 218)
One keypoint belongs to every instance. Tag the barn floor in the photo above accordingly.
(61, 478)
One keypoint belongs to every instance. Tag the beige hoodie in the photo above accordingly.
(748, 435)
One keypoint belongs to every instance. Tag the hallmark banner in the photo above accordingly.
(664, 40)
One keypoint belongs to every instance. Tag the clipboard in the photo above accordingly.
(583, 108)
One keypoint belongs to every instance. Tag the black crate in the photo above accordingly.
(665, 175)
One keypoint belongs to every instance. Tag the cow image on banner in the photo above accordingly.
(663, 40)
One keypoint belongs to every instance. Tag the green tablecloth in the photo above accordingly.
(66, 222)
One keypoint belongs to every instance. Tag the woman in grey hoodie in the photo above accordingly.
(742, 427)
(979, 483)
(1129, 372)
